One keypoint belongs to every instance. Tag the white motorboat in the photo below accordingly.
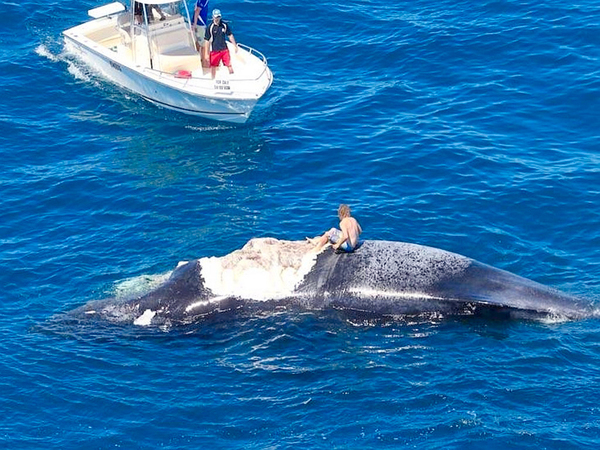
(155, 56)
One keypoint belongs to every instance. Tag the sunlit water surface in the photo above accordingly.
(471, 127)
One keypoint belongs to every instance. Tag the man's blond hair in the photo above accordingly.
(344, 211)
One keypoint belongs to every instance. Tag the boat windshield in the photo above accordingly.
(148, 12)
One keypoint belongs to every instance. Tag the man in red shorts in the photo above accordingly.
(215, 38)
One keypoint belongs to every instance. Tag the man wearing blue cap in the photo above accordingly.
(199, 22)
(216, 43)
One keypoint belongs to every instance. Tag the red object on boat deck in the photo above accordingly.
(183, 74)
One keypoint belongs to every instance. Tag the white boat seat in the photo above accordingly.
(174, 50)
(170, 41)
(178, 59)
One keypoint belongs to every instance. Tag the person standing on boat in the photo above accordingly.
(199, 22)
(216, 43)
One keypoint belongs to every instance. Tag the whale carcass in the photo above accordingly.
(384, 278)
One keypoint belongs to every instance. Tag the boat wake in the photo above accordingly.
(43, 51)
(77, 69)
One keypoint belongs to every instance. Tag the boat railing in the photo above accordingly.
(260, 56)
(253, 51)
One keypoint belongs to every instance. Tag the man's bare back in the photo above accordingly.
(346, 238)
(350, 231)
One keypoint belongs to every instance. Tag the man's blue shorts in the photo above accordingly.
(335, 235)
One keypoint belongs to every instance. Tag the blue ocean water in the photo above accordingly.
(467, 126)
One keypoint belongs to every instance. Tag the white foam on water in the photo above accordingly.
(208, 127)
(43, 51)
(73, 67)
(76, 71)
(264, 269)
(554, 318)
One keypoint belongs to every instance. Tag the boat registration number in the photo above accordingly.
(222, 85)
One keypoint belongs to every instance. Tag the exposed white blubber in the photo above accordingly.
(264, 269)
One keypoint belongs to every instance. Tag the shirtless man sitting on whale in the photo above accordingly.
(346, 238)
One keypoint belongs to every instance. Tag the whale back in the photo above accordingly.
(389, 277)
